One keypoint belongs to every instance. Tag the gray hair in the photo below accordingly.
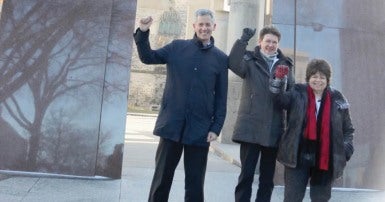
(203, 12)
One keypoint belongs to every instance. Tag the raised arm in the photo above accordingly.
(238, 57)
(146, 54)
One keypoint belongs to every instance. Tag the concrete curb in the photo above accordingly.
(142, 114)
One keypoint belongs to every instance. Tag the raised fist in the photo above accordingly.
(247, 34)
(145, 23)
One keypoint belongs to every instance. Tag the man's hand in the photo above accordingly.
(247, 34)
(145, 23)
(275, 85)
(279, 82)
(211, 136)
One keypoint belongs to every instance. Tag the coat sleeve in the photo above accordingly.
(283, 99)
(221, 86)
(146, 54)
(236, 58)
(348, 130)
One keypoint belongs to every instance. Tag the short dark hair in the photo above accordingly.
(318, 65)
(269, 29)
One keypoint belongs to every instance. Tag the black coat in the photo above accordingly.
(195, 93)
(258, 121)
(341, 129)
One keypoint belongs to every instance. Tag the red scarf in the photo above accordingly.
(311, 127)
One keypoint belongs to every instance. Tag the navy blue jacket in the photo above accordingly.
(195, 95)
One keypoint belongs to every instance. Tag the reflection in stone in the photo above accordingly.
(52, 84)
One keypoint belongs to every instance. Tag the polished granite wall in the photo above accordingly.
(64, 71)
(350, 35)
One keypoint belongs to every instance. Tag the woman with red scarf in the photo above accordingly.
(319, 137)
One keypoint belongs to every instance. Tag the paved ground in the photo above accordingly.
(138, 167)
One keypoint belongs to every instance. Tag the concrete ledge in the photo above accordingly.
(141, 114)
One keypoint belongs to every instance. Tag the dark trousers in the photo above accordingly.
(296, 180)
(167, 158)
(249, 154)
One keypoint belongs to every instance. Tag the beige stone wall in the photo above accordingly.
(145, 90)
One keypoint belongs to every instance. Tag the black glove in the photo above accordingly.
(247, 34)
(276, 85)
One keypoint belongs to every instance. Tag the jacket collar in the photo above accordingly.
(200, 45)
(257, 53)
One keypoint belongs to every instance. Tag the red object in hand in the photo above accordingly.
(281, 71)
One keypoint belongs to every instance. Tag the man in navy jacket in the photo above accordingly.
(193, 107)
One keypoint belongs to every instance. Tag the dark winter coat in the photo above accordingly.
(341, 128)
(258, 121)
(195, 94)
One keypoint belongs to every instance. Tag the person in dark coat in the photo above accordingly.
(259, 124)
(193, 107)
(319, 138)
